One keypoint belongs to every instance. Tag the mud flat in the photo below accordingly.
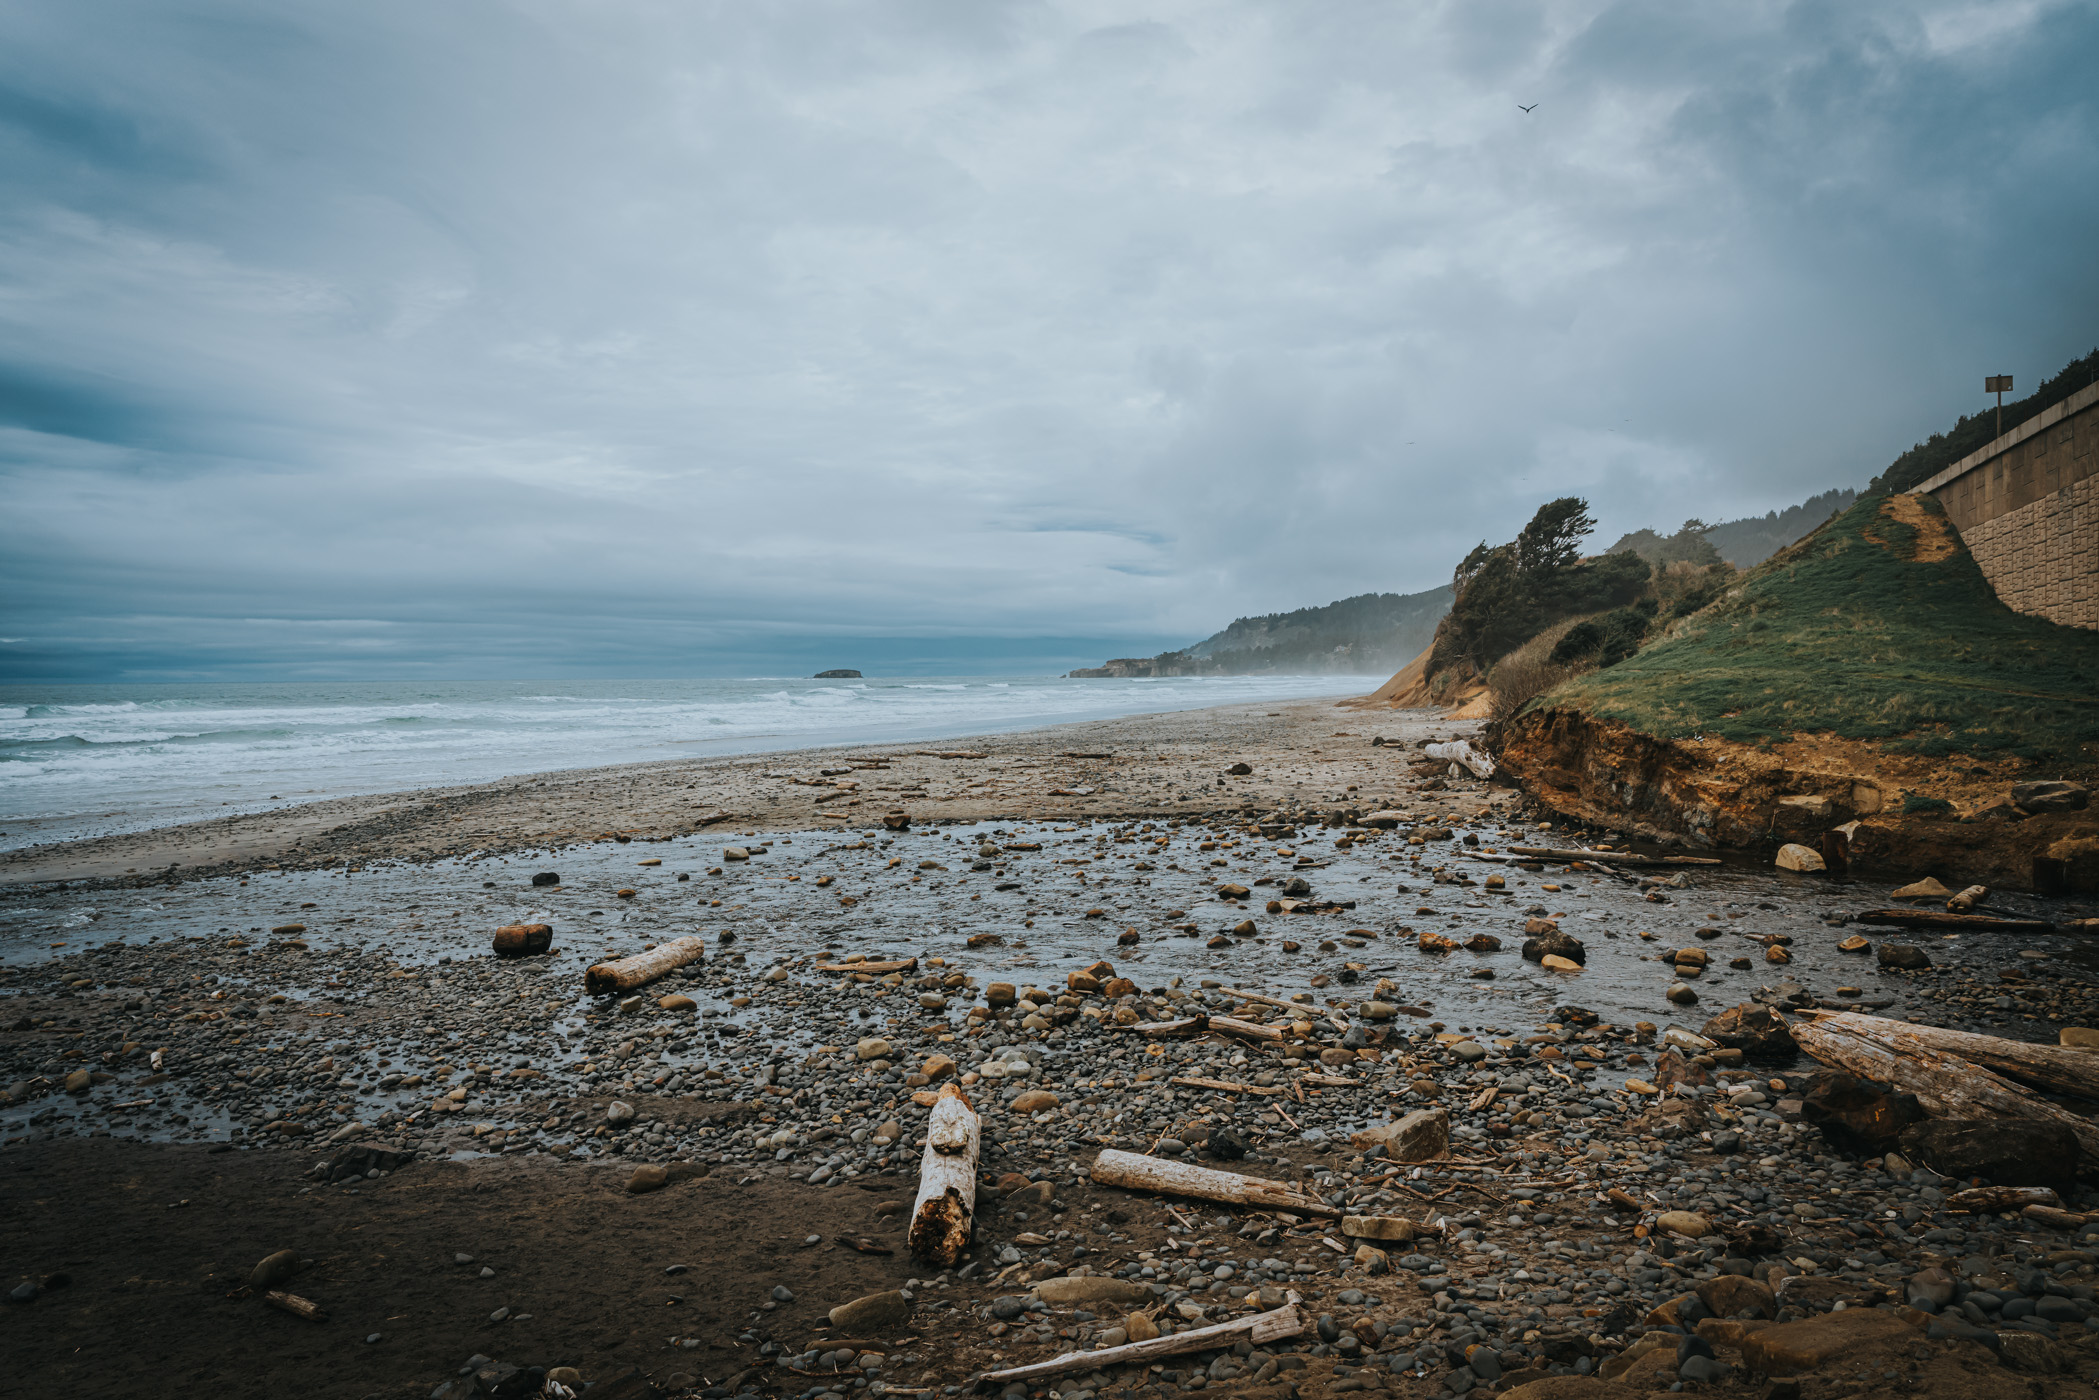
(479, 1167)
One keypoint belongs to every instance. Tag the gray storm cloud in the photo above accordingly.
(652, 338)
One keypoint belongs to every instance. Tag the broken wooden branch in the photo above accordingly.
(1224, 1086)
(643, 968)
(1161, 1030)
(1988, 1200)
(894, 965)
(1970, 923)
(945, 1211)
(1947, 1086)
(1306, 1009)
(1257, 1328)
(296, 1306)
(2053, 1067)
(1245, 1030)
(1136, 1172)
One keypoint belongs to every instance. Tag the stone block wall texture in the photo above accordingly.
(2043, 557)
(2027, 507)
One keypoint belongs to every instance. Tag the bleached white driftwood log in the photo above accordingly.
(1947, 1086)
(1257, 1328)
(643, 968)
(1136, 1172)
(1461, 751)
(946, 1208)
(2054, 1067)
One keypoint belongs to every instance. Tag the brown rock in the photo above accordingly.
(1904, 957)
(1551, 942)
(1082, 1292)
(675, 1002)
(1140, 1327)
(1752, 1029)
(1729, 1294)
(2007, 1151)
(877, 1312)
(937, 1067)
(1571, 1388)
(1858, 1115)
(1421, 1136)
(1001, 994)
(1379, 1227)
(1034, 1101)
(1233, 891)
(1792, 1348)
(522, 940)
(274, 1269)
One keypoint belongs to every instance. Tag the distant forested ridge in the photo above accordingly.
(1372, 633)
(1741, 543)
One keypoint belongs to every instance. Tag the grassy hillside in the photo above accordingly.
(1879, 626)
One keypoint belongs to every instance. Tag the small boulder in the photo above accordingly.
(1034, 1101)
(522, 940)
(546, 877)
(1421, 1136)
(1857, 1115)
(1904, 957)
(1926, 888)
(1729, 1294)
(1754, 1030)
(2008, 1152)
(1688, 1223)
(877, 1312)
(674, 1002)
(1550, 942)
(1140, 1327)
(274, 1269)
(617, 1113)
(1805, 859)
(1792, 1348)
(1089, 1290)
(872, 1048)
(2051, 796)
(1379, 1227)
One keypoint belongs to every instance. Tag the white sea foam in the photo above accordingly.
(85, 760)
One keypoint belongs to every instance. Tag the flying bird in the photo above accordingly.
(1532, 108)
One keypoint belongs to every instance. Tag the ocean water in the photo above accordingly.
(88, 760)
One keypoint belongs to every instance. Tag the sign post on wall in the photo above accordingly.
(2000, 385)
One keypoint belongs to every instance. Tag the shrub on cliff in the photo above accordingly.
(1504, 595)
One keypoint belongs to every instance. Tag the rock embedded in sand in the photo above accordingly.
(522, 940)
(1791, 1348)
(1421, 1136)
(1088, 1290)
(1904, 957)
(274, 1269)
(877, 1312)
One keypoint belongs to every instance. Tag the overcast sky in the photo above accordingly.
(523, 339)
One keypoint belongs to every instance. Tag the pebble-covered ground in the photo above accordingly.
(287, 1014)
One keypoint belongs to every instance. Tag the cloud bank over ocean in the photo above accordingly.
(658, 339)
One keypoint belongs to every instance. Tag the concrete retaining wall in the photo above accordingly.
(2027, 506)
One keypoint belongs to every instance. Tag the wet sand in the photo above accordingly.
(1143, 765)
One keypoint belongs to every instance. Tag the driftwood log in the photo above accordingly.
(1971, 923)
(895, 965)
(946, 1208)
(1305, 1009)
(2054, 1067)
(1988, 1200)
(1946, 1085)
(1256, 1328)
(643, 968)
(1461, 751)
(1560, 853)
(1135, 1172)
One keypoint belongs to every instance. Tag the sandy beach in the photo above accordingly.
(289, 1033)
(1311, 751)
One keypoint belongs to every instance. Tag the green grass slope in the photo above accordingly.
(1879, 626)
